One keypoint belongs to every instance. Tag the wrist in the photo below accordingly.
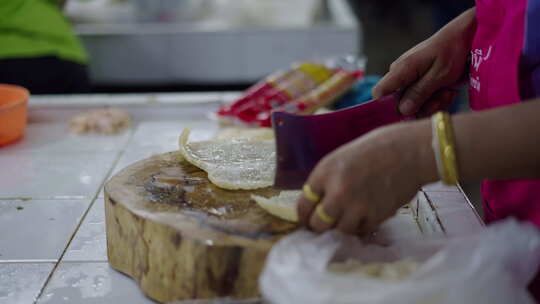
(413, 145)
(425, 160)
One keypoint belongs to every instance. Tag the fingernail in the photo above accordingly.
(375, 92)
(407, 107)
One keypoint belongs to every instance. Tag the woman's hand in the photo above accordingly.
(434, 64)
(365, 182)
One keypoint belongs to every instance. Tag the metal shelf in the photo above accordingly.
(149, 54)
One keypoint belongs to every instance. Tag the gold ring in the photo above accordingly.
(310, 195)
(323, 215)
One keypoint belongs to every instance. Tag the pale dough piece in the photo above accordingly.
(233, 163)
(102, 121)
(246, 133)
(282, 206)
(386, 271)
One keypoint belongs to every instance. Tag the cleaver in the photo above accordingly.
(303, 140)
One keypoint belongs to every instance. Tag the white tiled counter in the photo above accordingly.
(52, 227)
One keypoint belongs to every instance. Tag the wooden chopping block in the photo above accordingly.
(180, 237)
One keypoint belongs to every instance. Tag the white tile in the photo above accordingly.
(31, 174)
(91, 283)
(20, 283)
(101, 193)
(188, 98)
(426, 217)
(165, 134)
(89, 100)
(455, 213)
(55, 137)
(228, 97)
(400, 226)
(37, 230)
(132, 156)
(440, 187)
(172, 112)
(90, 242)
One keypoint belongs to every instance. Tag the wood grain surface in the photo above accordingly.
(180, 237)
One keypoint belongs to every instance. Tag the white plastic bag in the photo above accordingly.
(493, 266)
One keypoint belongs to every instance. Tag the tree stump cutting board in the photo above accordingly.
(180, 237)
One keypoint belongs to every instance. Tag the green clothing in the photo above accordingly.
(37, 28)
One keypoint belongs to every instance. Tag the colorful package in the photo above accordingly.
(302, 89)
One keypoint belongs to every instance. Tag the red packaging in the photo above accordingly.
(323, 95)
(302, 89)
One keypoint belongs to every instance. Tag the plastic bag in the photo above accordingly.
(493, 266)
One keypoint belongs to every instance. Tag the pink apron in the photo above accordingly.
(496, 70)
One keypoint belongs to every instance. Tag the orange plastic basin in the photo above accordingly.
(13, 113)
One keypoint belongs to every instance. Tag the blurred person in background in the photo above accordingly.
(39, 50)
(446, 11)
(443, 13)
(397, 25)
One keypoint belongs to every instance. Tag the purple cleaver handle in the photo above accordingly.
(302, 140)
